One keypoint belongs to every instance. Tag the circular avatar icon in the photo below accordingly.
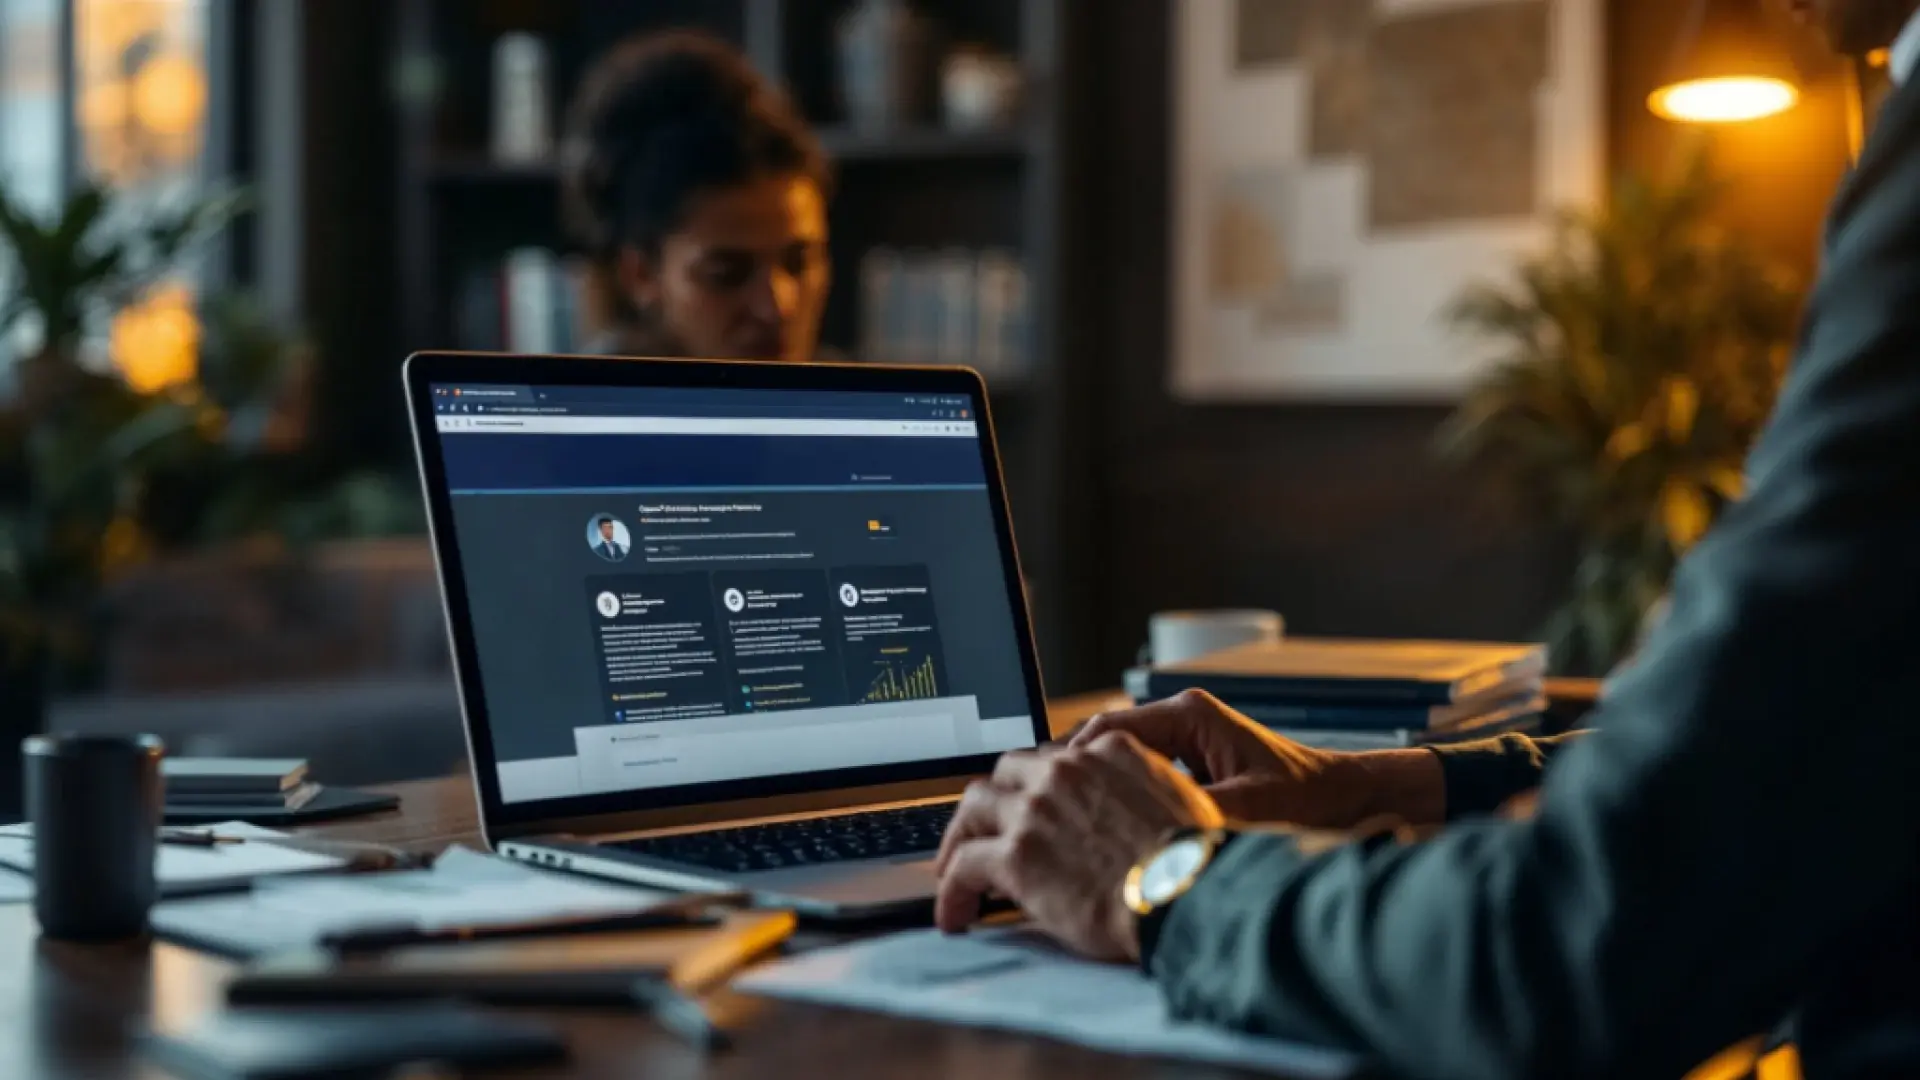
(735, 602)
(607, 604)
(607, 537)
(849, 596)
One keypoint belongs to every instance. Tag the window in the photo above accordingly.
(31, 135)
(140, 113)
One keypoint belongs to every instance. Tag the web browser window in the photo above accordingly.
(684, 586)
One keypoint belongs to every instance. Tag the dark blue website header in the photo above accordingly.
(526, 463)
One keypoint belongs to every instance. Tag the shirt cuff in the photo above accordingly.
(1204, 931)
(1481, 776)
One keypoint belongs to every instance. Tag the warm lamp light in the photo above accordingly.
(156, 343)
(1728, 68)
(1726, 100)
(170, 95)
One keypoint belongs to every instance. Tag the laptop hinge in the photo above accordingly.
(820, 802)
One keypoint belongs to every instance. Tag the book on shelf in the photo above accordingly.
(532, 301)
(522, 128)
(946, 306)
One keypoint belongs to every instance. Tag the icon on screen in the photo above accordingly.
(607, 537)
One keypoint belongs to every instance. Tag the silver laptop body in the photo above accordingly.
(725, 626)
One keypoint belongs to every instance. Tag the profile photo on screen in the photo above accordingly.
(608, 537)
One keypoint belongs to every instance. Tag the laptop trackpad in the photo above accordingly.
(854, 885)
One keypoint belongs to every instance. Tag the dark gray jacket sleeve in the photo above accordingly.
(1482, 776)
(1749, 796)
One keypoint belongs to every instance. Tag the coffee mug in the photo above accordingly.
(96, 803)
(1174, 637)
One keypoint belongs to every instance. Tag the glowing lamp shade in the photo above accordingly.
(1726, 99)
(1729, 67)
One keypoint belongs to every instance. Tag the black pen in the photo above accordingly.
(380, 939)
(197, 838)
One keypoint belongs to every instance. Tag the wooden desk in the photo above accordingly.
(66, 1012)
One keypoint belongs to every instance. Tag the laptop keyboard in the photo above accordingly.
(871, 834)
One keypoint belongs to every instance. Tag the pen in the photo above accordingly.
(197, 838)
(378, 939)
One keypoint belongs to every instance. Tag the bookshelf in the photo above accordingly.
(920, 188)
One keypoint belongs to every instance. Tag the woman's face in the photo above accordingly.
(744, 277)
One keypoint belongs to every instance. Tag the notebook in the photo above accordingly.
(464, 887)
(1354, 669)
(231, 776)
(185, 869)
(1429, 721)
(292, 798)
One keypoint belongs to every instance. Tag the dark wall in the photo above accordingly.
(1337, 516)
(348, 279)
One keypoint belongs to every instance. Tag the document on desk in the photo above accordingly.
(464, 888)
(1018, 980)
(183, 868)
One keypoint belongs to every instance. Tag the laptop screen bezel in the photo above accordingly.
(422, 370)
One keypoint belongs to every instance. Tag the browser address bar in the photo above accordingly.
(703, 425)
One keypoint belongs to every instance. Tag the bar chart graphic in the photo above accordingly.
(894, 680)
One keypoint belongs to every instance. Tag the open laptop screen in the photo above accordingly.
(684, 586)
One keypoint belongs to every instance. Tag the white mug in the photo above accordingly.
(1174, 637)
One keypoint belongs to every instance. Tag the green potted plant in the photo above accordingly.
(1638, 359)
(75, 441)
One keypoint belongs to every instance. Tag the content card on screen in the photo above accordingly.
(680, 587)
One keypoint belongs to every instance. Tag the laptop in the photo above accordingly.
(726, 626)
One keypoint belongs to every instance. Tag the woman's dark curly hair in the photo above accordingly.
(658, 121)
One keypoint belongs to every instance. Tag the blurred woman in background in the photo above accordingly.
(700, 197)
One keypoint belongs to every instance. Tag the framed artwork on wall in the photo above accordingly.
(1343, 169)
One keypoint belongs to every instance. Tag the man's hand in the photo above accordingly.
(1254, 775)
(1056, 831)
(1196, 728)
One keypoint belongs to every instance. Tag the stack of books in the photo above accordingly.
(238, 787)
(1353, 694)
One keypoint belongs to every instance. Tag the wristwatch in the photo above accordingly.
(1164, 876)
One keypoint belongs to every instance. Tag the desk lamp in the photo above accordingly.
(1727, 67)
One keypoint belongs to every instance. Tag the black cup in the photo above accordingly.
(96, 803)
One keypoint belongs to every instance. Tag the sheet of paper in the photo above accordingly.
(463, 888)
(1017, 980)
(183, 869)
